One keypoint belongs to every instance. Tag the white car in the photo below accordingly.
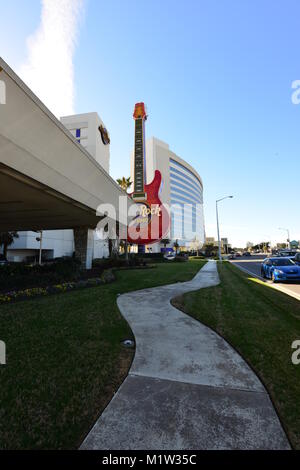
(287, 253)
(170, 256)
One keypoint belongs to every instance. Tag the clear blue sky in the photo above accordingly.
(216, 78)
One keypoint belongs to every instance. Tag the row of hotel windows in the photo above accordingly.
(189, 189)
(186, 222)
(181, 179)
(80, 134)
(191, 196)
(185, 189)
(183, 167)
(182, 230)
(180, 207)
(182, 199)
(185, 172)
(188, 216)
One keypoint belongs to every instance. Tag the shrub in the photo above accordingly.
(106, 277)
(107, 263)
(181, 257)
(150, 255)
(22, 275)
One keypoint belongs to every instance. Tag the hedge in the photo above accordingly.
(106, 277)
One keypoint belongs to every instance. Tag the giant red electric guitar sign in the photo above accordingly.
(151, 220)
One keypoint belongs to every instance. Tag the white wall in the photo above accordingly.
(56, 243)
(100, 249)
(90, 137)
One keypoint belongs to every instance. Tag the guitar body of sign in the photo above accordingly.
(151, 221)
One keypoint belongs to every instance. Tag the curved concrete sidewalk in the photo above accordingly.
(187, 388)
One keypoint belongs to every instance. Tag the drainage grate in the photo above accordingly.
(128, 343)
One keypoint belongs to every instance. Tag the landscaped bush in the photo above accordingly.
(182, 257)
(106, 277)
(159, 257)
(22, 275)
(118, 262)
(155, 256)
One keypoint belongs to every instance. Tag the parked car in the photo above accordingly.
(246, 253)
(280, 269)
(238, 254)
(287, 253)
(296, 258)
(231, 256)
(170, 256)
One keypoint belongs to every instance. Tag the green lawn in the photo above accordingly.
(261, 324)
(65, 360)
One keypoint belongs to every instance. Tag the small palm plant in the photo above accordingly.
(7, 239)
(124, 183)
(176, 246)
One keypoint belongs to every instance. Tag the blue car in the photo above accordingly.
(296, 258)
(280, 269)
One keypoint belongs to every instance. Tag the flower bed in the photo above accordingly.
(106, 277)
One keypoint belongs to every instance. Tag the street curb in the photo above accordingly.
(273, 286)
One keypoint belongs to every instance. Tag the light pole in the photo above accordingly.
(219, 241)
(40, 239)
(288, 234)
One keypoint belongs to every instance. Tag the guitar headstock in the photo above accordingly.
(139, 111)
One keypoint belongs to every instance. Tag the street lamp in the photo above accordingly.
(288, 234)
(219, 241)
(40, 239)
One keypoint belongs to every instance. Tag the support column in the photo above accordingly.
(84, 244)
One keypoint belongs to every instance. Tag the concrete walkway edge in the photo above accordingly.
(187, 388)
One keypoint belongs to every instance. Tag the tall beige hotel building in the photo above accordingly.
(181, 189)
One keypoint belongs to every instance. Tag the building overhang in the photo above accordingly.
(26, 204)
(47, 179)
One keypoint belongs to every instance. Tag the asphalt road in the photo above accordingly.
(253, 263)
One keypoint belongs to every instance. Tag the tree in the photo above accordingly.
(125, 184)
(263, 246)
(165, 241)
(6, 239)
(281, 246)
(210, 250)
(176, 246)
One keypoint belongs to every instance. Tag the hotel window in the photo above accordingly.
(78, 135)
